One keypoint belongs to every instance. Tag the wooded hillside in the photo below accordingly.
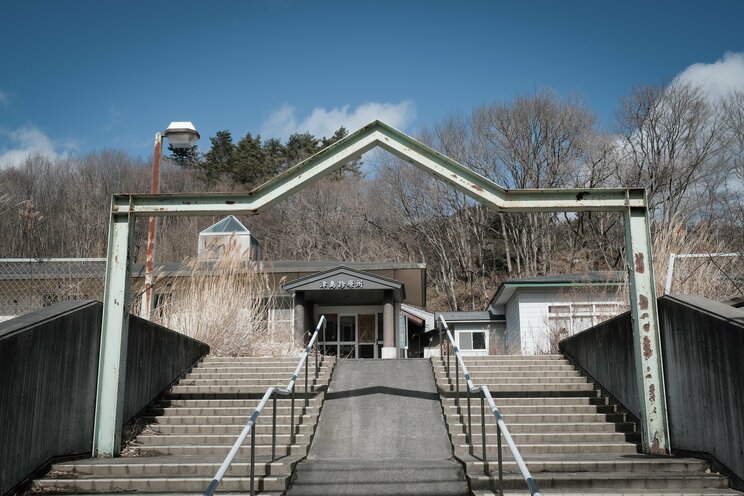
(686, 150)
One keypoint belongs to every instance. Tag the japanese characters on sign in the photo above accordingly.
(350, 284)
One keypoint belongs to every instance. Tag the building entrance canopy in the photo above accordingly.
(345, 286)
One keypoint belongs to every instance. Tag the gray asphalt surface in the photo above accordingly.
(381, 432)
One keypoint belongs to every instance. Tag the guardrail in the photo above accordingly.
(485, 396)
(270, 394)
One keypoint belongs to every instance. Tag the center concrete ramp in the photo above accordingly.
(381, 432)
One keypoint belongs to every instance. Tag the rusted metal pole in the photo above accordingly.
(146, 304)
(649, 369)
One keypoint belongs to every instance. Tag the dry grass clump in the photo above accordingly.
(226, 303)
(715, 278)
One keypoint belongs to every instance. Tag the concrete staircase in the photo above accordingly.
(573, 440)
(191, 428)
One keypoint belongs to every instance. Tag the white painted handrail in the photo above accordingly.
(485, 394)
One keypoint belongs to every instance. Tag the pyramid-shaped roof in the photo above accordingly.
(227, 225)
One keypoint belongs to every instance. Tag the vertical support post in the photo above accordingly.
(112, 359)
(649, 370)
(457, 387)
(501, 466)
(389, 349)
(469, 436)
(291, 420)
(307, 373)
(273, 426)
(484, 457)
(253, 457)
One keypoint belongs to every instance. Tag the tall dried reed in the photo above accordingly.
(226, 303)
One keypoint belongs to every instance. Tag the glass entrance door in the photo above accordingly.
(351, 332)
(366, 338)
(347, 336)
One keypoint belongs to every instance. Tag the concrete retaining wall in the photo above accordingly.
(605, 352)
(48, 375)
(703, 350)
(702, 345)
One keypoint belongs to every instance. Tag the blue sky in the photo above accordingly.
(77, 76)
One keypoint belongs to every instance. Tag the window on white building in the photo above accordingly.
(471, 340)
(574, 317)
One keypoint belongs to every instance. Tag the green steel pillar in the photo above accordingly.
(649, 371)
(114, 330)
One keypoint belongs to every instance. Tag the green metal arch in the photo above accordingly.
(632, 202)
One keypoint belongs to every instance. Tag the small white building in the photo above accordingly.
(540, 311)
(229, 234)
(476, 333)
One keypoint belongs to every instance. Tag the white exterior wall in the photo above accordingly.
(533, 313)
(513, 336)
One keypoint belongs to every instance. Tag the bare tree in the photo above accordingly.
(670, 138)
(533, 142)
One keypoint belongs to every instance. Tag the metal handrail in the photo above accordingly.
(271, 393)
(485, 395)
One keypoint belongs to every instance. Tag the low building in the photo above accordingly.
(540, 311)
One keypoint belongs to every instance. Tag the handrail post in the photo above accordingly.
(291, 422)
(457, 388)
(483, 432)
(307, 365)
(501, 468)
(317, 371)
(273, 427)
(469, 435)
(448, 360)
(253, 458)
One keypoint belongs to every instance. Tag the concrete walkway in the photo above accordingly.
(381, 432)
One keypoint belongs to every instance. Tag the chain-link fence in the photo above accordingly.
(27, 284)
(717, 276)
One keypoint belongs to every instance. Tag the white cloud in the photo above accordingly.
(323, 122)
(26, 141)
(718, 78)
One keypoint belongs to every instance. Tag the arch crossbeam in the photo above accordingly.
(631, 202)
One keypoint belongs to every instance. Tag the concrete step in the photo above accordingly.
(564, 427)
(548, 448)
(535, 386)
(264, 450)
(597, 463)
(250, 381)
(233, 411)
(538, 401)
(547, 437)
(508, 379)
(170, 466)
(266, 359)
(278, 377)
(509, 358)
(547, 481)
(248, 404)
(441, 368)
(568, 371)
(451, 408)
(526, 418)
(227, 429)
(146, 440)
(196, 392)
(157, 484)
(227, 419)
